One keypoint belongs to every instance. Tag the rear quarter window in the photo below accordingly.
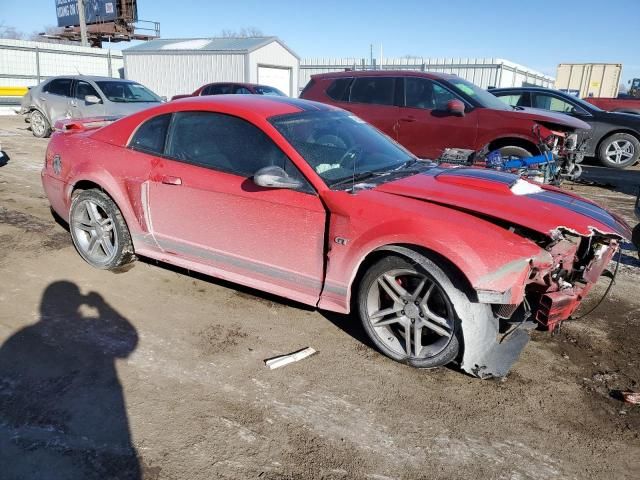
(59, 86)
(308, 87)
(151, 135)
(338, 90)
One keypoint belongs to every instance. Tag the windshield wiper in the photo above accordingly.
(358, 177)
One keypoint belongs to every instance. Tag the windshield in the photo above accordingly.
(339, 145)
(127, 92)
(480, 95)
(263, 90)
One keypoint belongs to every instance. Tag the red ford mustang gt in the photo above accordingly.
(309, 202)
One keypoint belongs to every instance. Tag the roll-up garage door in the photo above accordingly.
(279, 78)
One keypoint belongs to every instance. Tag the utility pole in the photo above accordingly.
(83, 24)
(371, 54)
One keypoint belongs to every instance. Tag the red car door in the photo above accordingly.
(425, 126)
(373, 100)
(205, 207)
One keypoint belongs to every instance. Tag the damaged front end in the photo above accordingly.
(548, 290)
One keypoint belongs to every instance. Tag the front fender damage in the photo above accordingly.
(545, 291)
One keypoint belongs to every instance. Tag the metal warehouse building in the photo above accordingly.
(171, 67)
(484, 72)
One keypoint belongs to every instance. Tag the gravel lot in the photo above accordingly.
(157, 373)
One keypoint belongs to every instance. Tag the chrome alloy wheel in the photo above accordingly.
(94, 232)
(38, 124)
(619, 151)
(410, 313)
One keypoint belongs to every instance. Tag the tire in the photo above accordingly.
(513, 151)
(99, 231)
(620, 150)
(635, 238)
(387, 333)
(40, 126)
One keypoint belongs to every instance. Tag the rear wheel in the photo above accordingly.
(99, 231)
(619, 151)
(39, 124)
(406, 310)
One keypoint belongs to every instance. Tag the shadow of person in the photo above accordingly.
(62, 411)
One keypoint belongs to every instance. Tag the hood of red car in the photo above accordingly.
(536, 114)
(506, 197)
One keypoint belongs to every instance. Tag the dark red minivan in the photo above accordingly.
(428, 112)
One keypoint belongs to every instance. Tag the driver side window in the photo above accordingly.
(84, 89)
(225, 143)
(426, 94)
(555, 104)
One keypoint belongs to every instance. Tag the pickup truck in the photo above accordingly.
(622, 104)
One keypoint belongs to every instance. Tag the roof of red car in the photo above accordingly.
(384, 73)
(246, 106)
(266, 106)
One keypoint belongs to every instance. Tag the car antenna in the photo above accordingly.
(353, 178)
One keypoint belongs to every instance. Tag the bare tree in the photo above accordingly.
(46, 30)
(11, 33)
(244, 32)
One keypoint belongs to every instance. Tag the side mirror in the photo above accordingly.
(455, 107)
(275, 177)
(92, 99)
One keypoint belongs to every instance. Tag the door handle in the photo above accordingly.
(169, 180)
(408, 119)
(42, 99)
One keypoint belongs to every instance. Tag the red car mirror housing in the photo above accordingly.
(456, 107)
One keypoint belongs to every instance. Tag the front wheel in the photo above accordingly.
(406, 310)
(619, 151)
(513, 151)
(99, 231)
(39, 124)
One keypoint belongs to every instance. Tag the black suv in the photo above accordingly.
(615, 137)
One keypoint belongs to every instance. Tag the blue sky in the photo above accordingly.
(537, 33)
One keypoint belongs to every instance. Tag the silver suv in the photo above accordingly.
(82, 96)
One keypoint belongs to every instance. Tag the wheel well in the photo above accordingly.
(86, 185)
(458, 278)
(636, 135)
(514, 142)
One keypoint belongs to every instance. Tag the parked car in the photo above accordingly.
(311, 203)
(615, 137)
(621, 104)
(428, 112)
(82, 96)
(232, 89)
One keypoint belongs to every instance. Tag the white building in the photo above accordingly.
(180, 66)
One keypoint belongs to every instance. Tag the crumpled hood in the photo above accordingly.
(506, 197)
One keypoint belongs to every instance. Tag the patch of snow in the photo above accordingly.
(522, 187)
(186, 45)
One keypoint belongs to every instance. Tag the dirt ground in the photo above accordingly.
(157, 373)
